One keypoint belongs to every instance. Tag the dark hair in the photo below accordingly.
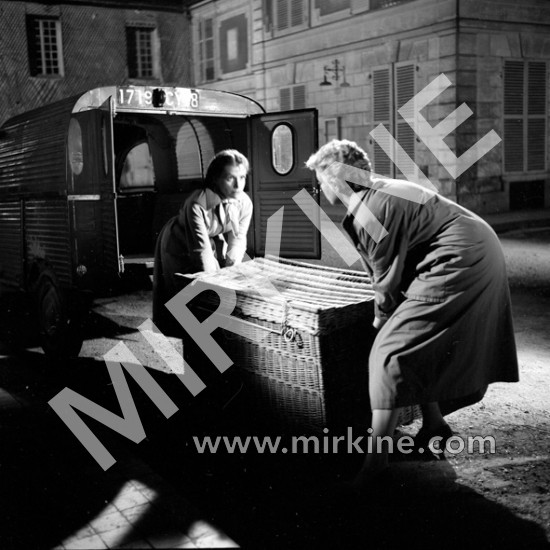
(227, 157)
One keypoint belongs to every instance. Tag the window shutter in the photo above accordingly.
(299, 97)
(284, 99)
(131, 52)
(282, 15)
(381, 97)
(536, 82)
(536, 144)
(513, 88)
(513, 116)
(513, 145)
(296, 13)
(525, 96)
(536, 109)
(293, 97)
(404, 91)
(33, 44)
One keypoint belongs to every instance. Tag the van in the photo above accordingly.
(87, 183)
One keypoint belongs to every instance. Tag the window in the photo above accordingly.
(525, 93)
(282, 149)
(327, 7)
(285, 15)
(137, 170)
(142, 52)
(206, 50)
(332, 129)
(392, 87)
(44, 46)
(234, 44)
(194, 150)
(74, 145)
(293, 97)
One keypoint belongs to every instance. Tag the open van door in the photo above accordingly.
(112, 261)
(92, 194)
(280, 145)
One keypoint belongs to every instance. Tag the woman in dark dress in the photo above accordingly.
(442, 302)
(208, 233)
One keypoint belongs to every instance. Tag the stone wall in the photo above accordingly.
(490, 33)
(94, 52)
(465, 40)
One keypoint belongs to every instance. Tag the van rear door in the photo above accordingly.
(280, 144)
(92, 197)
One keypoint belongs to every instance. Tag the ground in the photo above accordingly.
(517, 476)
(490, 500)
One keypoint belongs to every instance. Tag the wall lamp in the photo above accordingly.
(335, 69)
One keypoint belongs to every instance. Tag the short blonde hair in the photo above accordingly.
(341, 150)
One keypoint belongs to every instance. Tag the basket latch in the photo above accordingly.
(292, 335)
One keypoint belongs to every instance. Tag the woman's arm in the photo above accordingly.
(236, 244)
(201, 252)
(386, 258)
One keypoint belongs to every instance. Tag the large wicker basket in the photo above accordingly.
(307, 336)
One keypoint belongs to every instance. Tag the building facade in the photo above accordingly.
(360, 61)
(49, 51)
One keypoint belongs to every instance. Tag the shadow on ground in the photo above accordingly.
(294, 500)
(51, 487)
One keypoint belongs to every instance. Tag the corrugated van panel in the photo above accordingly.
(11, 251)
(32, 151)
(47, 225)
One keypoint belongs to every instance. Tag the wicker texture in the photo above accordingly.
(308, 334)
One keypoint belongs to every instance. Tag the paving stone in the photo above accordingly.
(138, 544)
(123, 534)
(133, 515)
(86, 532)
(173, 540)
(129, 497)
(94, 542)
(108, 522)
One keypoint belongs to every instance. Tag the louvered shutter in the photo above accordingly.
(284, 99)
(381, 108)
(513, 145)
(291, 98)
(524, 116)
(513, 116)
(299, 97)
(536, 115)
(296, 13)
(404, 134)
(281, 15)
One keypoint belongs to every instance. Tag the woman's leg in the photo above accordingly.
(433, 426)
(432, 419)
(384, 422)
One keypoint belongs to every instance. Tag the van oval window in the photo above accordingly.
(76, 158)
(282, 149)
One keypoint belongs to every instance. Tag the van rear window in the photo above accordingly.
(137, 170)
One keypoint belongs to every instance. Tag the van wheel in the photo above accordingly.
(60, 335)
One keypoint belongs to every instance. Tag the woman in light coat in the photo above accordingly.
(208, 233)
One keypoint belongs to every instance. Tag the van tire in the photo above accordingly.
(60, 336)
